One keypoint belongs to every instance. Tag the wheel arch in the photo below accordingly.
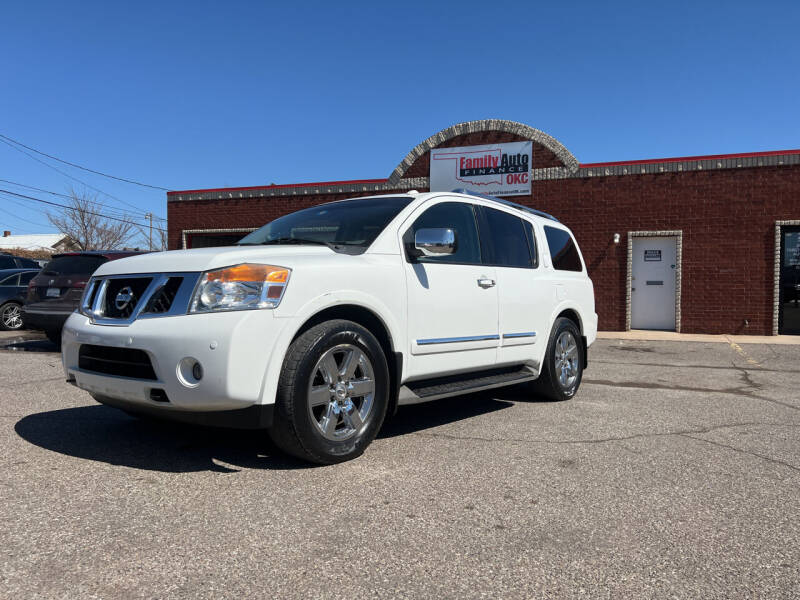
(375, 324)
(573, 315)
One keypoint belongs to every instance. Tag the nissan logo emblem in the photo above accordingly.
(124, 298)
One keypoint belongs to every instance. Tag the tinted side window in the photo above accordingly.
(25, 278)
(12, 280)
(453, 215)
(73, 265)
(504, 239)
(26, 262)
(562, 250)
(7, 262)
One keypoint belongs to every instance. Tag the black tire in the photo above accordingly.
(296, 429)
(6, 313)
(54, 335)
(549, 383)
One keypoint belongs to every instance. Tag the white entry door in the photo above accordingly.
(653, 283)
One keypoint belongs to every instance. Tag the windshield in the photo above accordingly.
(350, 223)
(73, 265)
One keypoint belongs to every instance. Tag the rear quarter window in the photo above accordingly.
(563, 250)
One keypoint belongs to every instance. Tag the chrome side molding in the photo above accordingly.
(469, 338)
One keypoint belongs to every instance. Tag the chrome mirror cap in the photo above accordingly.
(435, 242)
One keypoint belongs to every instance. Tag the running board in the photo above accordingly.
(424, 390)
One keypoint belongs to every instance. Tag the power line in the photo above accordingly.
(89, 212)
(68, 197)
(18, 218)
(49, 166)
(66, 162)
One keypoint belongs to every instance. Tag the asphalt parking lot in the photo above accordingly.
(675, 472)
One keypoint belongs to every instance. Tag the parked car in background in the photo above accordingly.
(56, 291)
(13, 285)
(9, 261)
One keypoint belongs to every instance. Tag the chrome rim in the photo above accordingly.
(12, 317)
(566, 360)
(341, 392)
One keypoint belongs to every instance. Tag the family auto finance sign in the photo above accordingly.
(496, 169)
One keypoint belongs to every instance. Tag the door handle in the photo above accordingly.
(485, 282)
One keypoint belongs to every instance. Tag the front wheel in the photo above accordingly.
(11, 317)
(332, 394)
(563, 366)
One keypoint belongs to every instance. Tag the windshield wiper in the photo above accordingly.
(300, 241)
(293, 240)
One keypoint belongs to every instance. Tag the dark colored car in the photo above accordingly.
(13, 285)
(56, 291)
(9, 261)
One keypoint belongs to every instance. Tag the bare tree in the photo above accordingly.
(84, 223)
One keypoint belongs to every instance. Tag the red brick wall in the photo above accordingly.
(727, 218)
(728, 223)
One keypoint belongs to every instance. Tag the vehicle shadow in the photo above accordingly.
(111, 436)
(108, 435)
(417, 417)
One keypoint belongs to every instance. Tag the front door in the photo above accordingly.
(653, 282)
(452, 299)
(789, 318)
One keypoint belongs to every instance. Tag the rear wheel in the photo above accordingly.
(11, 316)
(332, 394)
(563, 367)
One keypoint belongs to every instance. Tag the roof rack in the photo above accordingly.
(526, 209)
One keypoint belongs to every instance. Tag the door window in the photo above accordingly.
(13, 280)
(457, 216)
(504, 242)
(7, 262)
(562, 250)
(25, 278)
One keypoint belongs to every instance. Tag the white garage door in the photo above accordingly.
(653, 270)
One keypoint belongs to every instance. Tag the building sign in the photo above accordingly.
(652, 256)
(495, 169)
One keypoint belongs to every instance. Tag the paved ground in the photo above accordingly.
(675, 472)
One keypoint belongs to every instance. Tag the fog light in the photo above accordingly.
(197, 371)
(189, 372)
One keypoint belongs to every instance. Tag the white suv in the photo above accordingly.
(319, 324)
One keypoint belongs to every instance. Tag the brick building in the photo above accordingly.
(731, 225)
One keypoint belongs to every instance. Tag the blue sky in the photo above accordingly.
(195, 95)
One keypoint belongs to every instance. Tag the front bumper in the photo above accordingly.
(257, 416)
(234, 349)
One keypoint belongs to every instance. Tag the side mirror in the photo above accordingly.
(435, 242)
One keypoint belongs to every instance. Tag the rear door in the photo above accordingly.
(524, 297)
(452, 299)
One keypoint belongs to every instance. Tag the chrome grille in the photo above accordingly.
(162, 300)
(119, 300)
(122, 296)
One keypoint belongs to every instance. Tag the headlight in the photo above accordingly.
(240, 287)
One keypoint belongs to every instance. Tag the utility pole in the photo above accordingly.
(150, 238)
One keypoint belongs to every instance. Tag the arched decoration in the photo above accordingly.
(540, 137)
